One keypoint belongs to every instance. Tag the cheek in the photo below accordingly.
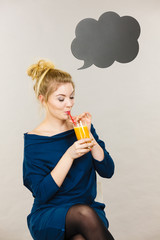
(56, 104)
(60, 105)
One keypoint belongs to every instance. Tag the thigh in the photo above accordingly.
(80, 219)
(102, 215)
(83, 220)
(99, 208)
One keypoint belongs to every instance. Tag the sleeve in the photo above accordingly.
(37, 178)
(106, 167)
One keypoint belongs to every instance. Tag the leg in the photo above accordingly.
(83, 220)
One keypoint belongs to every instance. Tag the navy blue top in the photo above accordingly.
(42, 153)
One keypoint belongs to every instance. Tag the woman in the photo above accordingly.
(60, 170)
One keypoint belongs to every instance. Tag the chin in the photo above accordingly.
(64, 117)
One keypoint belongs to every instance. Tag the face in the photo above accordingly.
(61, 101)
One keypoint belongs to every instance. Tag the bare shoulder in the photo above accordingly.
(37, 130)
(34, 131)
(42, 131)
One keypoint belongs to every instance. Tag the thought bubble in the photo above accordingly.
(111, 38)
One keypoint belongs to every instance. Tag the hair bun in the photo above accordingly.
(36, 70)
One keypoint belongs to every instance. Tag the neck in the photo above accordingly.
(53, 124)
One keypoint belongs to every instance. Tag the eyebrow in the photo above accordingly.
(63, 94)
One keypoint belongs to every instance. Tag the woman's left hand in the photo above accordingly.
(84, 117)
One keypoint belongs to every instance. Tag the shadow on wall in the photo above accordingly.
(111, 38)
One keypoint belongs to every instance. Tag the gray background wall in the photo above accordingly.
(123, 99)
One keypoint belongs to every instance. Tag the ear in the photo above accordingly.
(41, 99)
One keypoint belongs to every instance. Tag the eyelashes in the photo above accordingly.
(62, 99)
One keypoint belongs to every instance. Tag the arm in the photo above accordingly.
(78, 149)
(37, 178)
(43, 184)
(102, 161)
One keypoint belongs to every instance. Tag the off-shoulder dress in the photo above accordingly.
(46, 220)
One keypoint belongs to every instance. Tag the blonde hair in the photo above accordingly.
(47, 78)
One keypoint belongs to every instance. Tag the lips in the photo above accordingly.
(67, 112)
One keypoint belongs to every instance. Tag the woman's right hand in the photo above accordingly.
(80, 147)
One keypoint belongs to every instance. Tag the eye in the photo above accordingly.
(61, 99)
(72, 97)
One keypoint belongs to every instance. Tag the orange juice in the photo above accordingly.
(81, 132)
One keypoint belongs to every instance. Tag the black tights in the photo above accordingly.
(83, 223)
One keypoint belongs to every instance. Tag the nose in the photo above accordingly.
(69, 102)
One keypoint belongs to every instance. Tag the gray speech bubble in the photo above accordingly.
(111, 38)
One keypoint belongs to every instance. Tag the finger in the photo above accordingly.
(75, 118)
(79, 117)
(85, 140)
(70, 121)
(83, 151)
(86, 145)
(83, 146)
(88, 115)
(85, 114)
